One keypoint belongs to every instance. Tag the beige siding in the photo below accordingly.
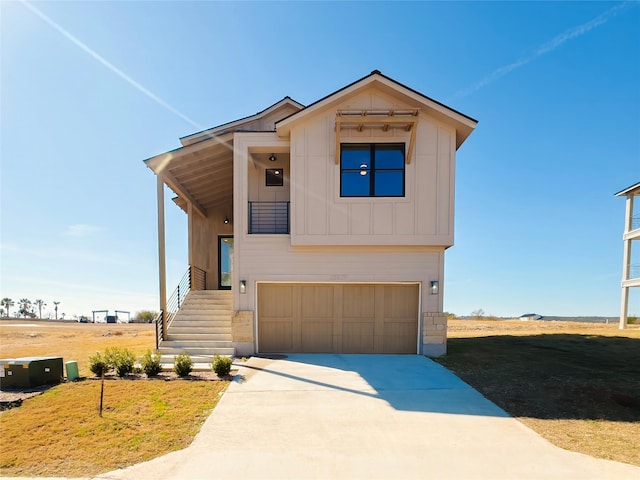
(321, 217)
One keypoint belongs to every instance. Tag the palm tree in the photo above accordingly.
(56, 303)
(40, 303)
(7, 303)
(25, 303)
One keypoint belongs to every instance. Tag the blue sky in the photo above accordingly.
(90, 89)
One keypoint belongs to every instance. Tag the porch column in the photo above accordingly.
(626, 260)
(162, 270)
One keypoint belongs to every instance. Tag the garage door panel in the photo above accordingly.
(358, 301)
(358, 337)
(400, 337)
(276, 336)
(317, 337)
(400, 301)
(277, 300)
(317, 301)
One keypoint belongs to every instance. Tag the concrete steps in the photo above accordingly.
(201, 328)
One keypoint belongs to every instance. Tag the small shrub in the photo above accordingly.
(98, 364)
(632, 320)
(221, 365)
(183, 365)
(151, 363)
(120, 359)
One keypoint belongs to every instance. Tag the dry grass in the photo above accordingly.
(71, 341)
(59, 433)
(576, 384)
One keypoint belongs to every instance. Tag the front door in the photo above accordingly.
(225, 262)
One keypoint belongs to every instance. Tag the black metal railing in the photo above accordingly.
(159, 329)
(269, 217)
(193, 279)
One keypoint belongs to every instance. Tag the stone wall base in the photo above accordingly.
(242, 332)
(434, 334)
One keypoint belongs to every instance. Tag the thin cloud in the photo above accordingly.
(109, 65)
(546, 48)
(83, 46)
(83, 230)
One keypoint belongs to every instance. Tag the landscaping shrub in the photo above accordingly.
(221, 365)
(183, 365)
(151, 363)
(98, 364)
(120, 359)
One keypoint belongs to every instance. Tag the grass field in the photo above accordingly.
(577, 384)
(71, 341)
(60, 433)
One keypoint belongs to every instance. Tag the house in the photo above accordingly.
(318, 228)
(630, 271)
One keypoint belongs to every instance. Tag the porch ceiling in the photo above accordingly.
(204, 177)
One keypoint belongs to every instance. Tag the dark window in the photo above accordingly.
(275, 177)
(372, 170)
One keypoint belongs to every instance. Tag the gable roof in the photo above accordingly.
(236, 124)
(462, 123)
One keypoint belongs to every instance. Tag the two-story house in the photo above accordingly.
(322, 227)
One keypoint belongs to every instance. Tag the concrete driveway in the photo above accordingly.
(364, 416)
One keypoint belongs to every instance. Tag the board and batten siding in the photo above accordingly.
(424, 216)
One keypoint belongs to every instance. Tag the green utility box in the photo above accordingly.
(27, 372)
(72, 371)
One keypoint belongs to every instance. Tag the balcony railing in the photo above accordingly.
(268, 217)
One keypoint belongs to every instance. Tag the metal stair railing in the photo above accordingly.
(193, 279)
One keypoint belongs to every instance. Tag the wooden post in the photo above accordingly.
(626, 260)
(162, 269)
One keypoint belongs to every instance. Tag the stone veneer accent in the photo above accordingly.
(242, 332)
(434, 334)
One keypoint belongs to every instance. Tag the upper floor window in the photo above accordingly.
(372, 170)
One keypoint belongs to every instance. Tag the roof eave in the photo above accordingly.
(464, 124)
(225, 126)
(632, 190)
(157, 163)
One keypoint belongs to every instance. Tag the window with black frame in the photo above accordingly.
(372, 170)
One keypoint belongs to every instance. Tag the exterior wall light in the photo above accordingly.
(272, 158)
(226, 220)
(243, 286)
(434, 287)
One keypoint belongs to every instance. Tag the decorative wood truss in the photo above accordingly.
(406, 119)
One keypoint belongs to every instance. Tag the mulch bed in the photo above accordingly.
(13, 398)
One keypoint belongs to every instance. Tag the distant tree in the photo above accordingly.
(479, 313)
(7, 303)
(39, 303)
(25, 306)
(56, 303)
(145, 316)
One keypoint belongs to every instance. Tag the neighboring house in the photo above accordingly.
(630, 271)
(328, 223)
